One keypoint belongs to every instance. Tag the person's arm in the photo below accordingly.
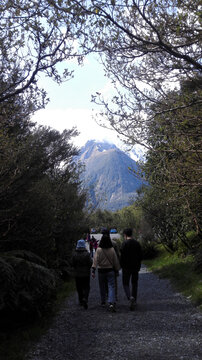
(116, 263)
(140, 255)
(90, 261)
(122, 252)
(115, 246)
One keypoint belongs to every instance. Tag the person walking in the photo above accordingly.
(114, 244)
(82, 262)
(130, 259)
(106, 260)
(95, 244)
(91, 246)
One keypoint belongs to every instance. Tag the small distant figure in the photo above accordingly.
(131, 257)
(106, 260)
(93, 245)
(82, 262)
(88, 237)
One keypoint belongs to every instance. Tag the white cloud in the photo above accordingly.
(61, 119)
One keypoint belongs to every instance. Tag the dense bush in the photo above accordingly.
(27, 288)
(198, 261)
(149, 249)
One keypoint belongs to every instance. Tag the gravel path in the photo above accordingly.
(164, 326)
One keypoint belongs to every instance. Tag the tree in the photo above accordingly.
(36, 170)
(178, 138)
(146, 47)
(41, 210)
(35, 38)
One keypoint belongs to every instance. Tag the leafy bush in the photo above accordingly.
(7, 285)
(27, 289)
(198, 261)
(64, 269)
(149, 248)
(118, 242)
(194, 239)
(26, 255)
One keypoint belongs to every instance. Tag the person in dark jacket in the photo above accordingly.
(81, 262)
(131, 257)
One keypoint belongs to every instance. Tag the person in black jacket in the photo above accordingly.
(131, 257)
(81, 262)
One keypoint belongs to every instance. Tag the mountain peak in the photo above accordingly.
(107, 176)
(93, 147)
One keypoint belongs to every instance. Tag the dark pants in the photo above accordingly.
(128, 275)
(83, 287)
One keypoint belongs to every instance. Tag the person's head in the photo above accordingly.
(105, 232)
(81, 244)
(105, 241)
(128, 232)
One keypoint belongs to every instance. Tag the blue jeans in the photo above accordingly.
(107, 279)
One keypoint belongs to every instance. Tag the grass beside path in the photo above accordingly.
(14, 344)
(180, 272)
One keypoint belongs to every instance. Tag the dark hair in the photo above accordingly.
(105, 242)
(128, 232)
(105, 232)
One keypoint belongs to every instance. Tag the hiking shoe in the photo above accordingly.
(112, 307)
(132, 303)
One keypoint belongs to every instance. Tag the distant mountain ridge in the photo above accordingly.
(111, 184)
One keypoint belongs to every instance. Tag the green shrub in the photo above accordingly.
(180, 272)
(149, 249)
(148, 245)
(194, 240)
(27, 289)
(198, 261)
(118, 242)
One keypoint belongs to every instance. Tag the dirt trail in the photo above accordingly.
(164, 326)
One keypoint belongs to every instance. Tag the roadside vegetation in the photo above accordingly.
(41, 201)
(180, 271)
(16, 341)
